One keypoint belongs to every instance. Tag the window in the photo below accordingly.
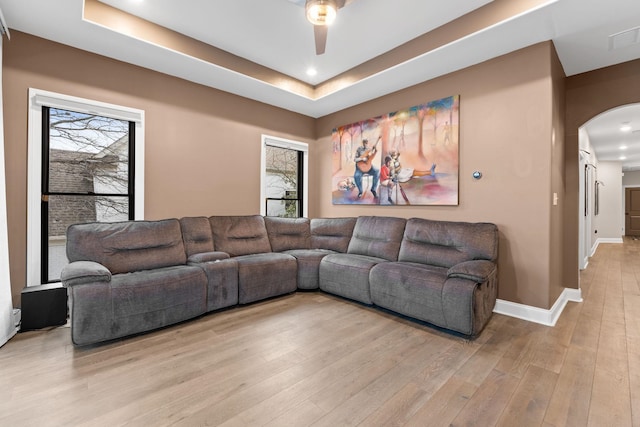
(85, 165)
(284, 178)
(86, 177)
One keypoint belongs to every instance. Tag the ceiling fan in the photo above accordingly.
(321, 13)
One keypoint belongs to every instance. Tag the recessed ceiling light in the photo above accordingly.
(623, 147)
(622, 158)
(311, 72)
(626, 127)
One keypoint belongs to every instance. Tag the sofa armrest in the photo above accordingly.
(478, 270)
(207, 257)
(80, 272)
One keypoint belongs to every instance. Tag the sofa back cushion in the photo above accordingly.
(377, 236)
(288, 233)
(445, 243)
(332, 233)
(127, 246)
(240, 235)
(196, 235)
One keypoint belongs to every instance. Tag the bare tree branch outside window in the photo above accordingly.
(89, 154)
(282, 180)
(88, 176)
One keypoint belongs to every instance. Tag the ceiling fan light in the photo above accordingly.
(321, 12)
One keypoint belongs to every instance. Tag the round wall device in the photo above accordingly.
(477, 174)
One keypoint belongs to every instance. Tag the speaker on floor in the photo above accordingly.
(43, 306)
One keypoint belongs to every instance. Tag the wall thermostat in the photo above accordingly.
(477, 175)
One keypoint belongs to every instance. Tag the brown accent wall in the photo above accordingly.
(587, 95)
(556, 250)
(509, 110)
(202, 146)
(203, 150)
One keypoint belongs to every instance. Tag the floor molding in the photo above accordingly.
(604, 240)
(539, 315)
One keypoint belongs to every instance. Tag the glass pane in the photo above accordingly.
(283, 208)
(282, 171)
(87, 153)
(67, 210)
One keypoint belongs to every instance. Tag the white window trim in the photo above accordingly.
(37, 99)
(293, 145)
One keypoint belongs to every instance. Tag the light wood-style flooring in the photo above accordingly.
(313, 359)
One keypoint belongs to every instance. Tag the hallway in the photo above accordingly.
(604, 347)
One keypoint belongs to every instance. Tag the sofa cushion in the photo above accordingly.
(79, 272)
(478, 270)
(196, 234)
(265, 275)
(377, 236)
(207, 257)
(128, 246)
(288, 233)
(333, 234)
(425, 292)
(309, 266)
(240, 235)
(135, 302)
(445, 243)
(347, 275)
(222, 283)
(411, 289)
(146, 292)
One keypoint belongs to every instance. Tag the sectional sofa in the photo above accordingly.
(131, 277)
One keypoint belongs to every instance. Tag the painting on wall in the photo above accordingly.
(408, 157)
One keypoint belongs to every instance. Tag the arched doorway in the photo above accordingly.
(588, 95)
(609, 145)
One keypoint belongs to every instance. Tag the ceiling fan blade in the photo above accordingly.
(320, 33)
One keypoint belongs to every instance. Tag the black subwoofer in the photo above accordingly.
(43, 306)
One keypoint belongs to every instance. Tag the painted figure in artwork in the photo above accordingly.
(386, 178)
(399, 175)
(364, 165)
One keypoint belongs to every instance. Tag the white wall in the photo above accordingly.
(608, 223)
(587, 178)
(7, 326)
(631, 179)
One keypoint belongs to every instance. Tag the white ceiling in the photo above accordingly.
(275, 34)
(612, 143)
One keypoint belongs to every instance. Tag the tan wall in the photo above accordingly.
(588, 95)
(506, 120)
(202, 148)
(556, 251)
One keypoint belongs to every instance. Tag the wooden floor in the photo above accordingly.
(312, 359)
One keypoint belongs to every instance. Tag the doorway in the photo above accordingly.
(632, 211)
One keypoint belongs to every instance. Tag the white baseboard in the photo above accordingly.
(538, 315)
(585, 263)
(16, 317)
(604, 240)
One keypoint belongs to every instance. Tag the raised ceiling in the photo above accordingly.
(261, 49)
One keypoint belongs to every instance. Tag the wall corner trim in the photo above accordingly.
(539, 315)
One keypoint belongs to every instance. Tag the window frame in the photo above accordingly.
(37, 99)
(301, 147)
